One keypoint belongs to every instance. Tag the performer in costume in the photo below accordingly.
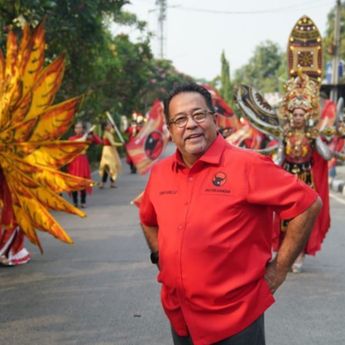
(305, 155)
(12, 250)
(297, 129)
(110, 164)
(329, 111)
(31, 152)
(131, 132)
(80, 165)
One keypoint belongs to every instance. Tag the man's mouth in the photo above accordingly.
(193, 136)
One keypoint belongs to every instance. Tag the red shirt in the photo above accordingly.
(215, 233)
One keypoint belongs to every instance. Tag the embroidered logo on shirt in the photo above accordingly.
(217, 190)
(219, 179)
(167, 192)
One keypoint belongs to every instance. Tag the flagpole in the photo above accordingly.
(115, 127)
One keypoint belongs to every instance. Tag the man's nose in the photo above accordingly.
(191, 122)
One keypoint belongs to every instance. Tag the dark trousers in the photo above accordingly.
(133, 168)
(254, 334)
(105, 177)
(82, 197)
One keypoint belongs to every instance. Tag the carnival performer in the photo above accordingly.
(131, 132)
(80, 165)
(110, 164)
(331, 112)
(300, 148)
(12, 250)
(305, 155)
(298, 129)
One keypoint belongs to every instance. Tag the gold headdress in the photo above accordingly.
(301, 93)
(305, 70)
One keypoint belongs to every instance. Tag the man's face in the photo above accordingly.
(298, 118)
(194, 138)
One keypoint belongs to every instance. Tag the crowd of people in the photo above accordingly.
(109, 165)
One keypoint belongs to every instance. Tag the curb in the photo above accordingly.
(337, 185)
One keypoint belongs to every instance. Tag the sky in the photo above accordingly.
(197, 31)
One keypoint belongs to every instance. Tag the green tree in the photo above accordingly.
(262, 70)
(328, 41)
(80, 30)
(111, 72)
(226, 87)
(163, 76)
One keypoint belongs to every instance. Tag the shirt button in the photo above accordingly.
(186, 203)
(190, 178)
(180, 227)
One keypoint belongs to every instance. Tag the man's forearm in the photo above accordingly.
(297, 234)
(151, 236)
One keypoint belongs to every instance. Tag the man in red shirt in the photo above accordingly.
(208, 212)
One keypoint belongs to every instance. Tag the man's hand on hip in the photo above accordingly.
(274, 276)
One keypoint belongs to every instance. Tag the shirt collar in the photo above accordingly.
(212, 156)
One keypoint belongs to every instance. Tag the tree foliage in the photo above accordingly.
(225, 80)
(163, 76)
(112, 72)
(328, 41)
(265, 68)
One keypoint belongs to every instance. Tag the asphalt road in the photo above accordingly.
(102, 289)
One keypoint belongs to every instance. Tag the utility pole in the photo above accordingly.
(336, 58)
(162, 10)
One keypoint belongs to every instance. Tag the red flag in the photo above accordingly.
(145, 148)
(226, 117)
(328, 114)
(225, 122)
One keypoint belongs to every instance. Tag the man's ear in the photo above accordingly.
(215, 118)
(170, 132)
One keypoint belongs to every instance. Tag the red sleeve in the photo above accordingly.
(147, 211)
(95, 139)
(271, 185)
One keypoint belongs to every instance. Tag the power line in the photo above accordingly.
(301, 6)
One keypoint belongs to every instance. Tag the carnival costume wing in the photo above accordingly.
(31, 151)
(258, 111)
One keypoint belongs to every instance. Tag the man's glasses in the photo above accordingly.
(198, 116)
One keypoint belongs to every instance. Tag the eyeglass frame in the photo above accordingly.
(187, 116)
